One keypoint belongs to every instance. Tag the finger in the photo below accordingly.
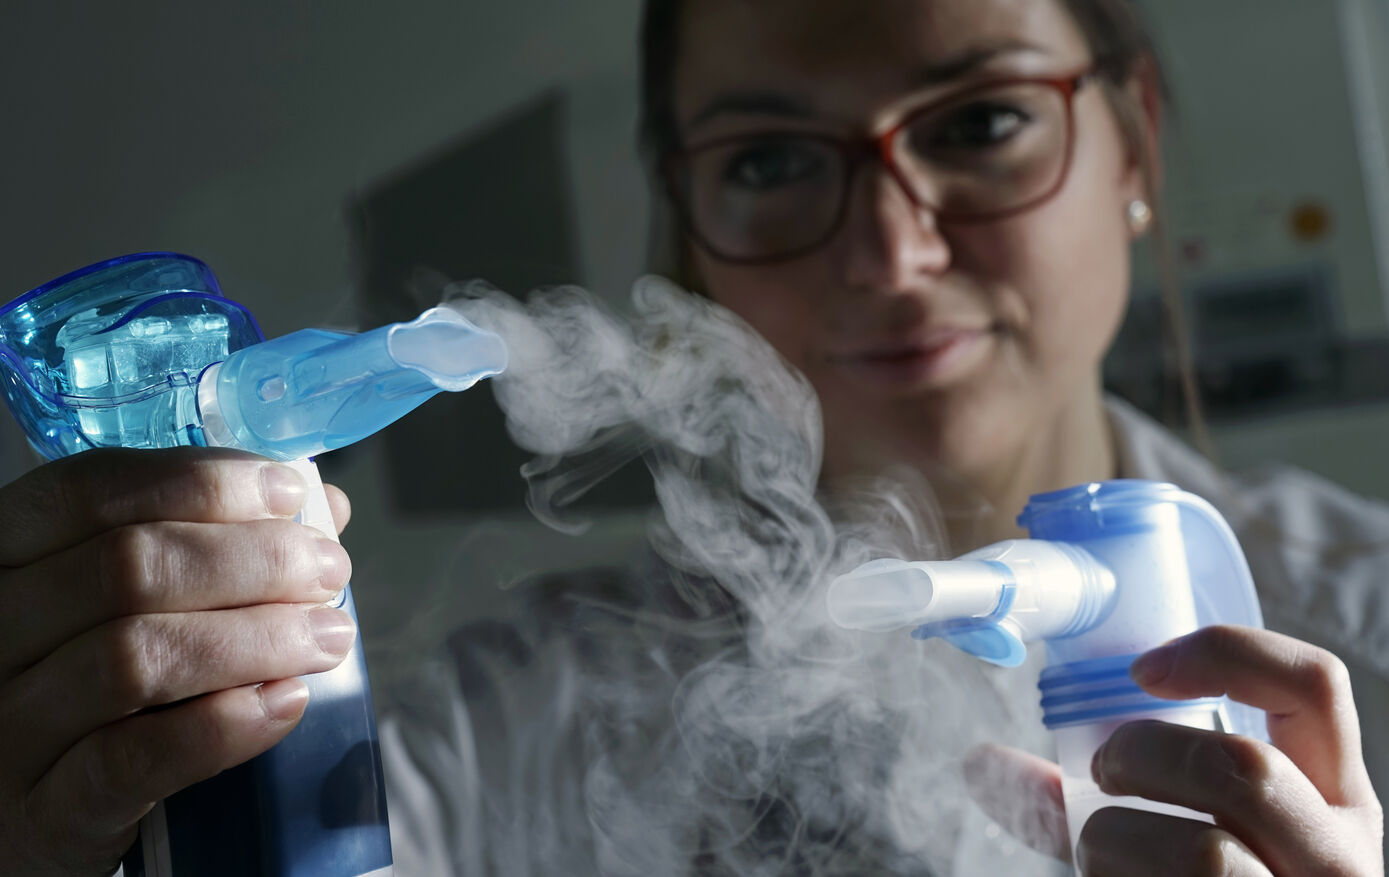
(1304, 690)
(151, 660)
(1022, 793)
(90, 802)
(1253, 790)
(163, 568)
(70, 500)
(340, 506)
(1119, 842)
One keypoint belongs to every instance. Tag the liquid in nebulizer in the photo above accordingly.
(1076, 748)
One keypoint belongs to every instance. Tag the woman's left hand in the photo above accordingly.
(1300, 805)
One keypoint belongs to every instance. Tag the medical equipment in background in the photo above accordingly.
(1112, 570)
(1275, 209)
(143, 351)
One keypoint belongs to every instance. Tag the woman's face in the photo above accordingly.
(927, 340)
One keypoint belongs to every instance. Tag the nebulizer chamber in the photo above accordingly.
(145, 352)
(1112, 570)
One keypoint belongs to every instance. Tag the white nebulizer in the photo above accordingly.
(1113, 569)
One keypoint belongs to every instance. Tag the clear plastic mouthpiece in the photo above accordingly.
(990, 603)
(881, 596)
(313, 391)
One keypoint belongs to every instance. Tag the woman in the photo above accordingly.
(948, 291)
(927, 208)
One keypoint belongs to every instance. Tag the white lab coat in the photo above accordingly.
(1320, 558)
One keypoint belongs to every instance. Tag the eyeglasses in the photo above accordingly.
(984, 153)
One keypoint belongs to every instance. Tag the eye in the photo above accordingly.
(977, 126)
(771, 165)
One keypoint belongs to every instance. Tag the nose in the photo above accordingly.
(892, 242)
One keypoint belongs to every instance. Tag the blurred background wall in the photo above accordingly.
(335, 162)
(1278, 225)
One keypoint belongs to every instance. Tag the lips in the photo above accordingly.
(931, 358)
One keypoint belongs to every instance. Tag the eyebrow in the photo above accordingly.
(760, 103)
(771, 103)
(970, 60)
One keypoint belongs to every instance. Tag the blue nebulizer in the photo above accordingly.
(145, 352)
(1112, 569)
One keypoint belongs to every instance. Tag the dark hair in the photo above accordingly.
(660, 41)
(1116, 36)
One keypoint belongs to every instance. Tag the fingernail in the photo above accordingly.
(1153, 666)
(332, 630)
(283, 490)
(334, 566)
(284, 699)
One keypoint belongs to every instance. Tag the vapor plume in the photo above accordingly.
(699, 713)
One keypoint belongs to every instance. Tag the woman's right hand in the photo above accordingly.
(154, 609)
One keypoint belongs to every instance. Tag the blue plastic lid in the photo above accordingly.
(140, 272)
(1103, 508)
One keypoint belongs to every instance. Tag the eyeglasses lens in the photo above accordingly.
(986, 153)
(763, 195)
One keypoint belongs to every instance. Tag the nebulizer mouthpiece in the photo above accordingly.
(882, 596)
(989, 603)
(1113, 569)
(313, 391)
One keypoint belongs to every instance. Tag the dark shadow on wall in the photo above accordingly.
(496, 206)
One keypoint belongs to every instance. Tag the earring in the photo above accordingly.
(1140, 216)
